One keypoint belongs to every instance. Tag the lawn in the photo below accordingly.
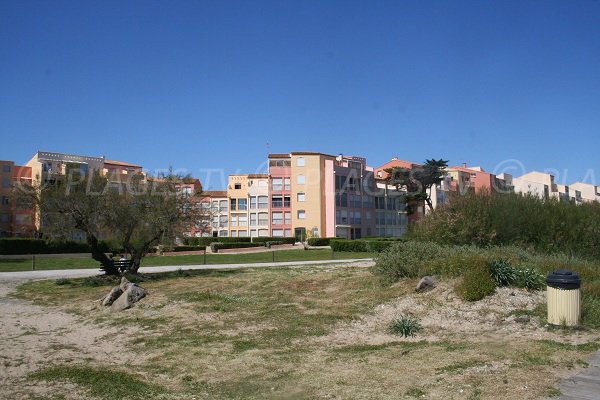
(292, 334)
(280, 256)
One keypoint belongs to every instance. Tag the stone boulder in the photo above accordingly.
(129, 294)
(112, 296)
(425, 284)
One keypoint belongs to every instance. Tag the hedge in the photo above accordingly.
(216, 246)
(360, 245)
(206, 241)
(188, 248)
(319, 241)
(283, 240)
(22, 246)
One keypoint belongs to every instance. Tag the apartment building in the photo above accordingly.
(258, 210)
(219, 211)
(585, 192)
(542, 185)
(17, 216)
(322, 195)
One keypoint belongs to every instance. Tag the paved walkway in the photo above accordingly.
(585, 385)
(82, 273)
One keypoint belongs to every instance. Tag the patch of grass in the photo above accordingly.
(477, 282)
(244, 345)
(553, 392)
(106, 383)
(460, 366)
(405, 326)
(361, 348)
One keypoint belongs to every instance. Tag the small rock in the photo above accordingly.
(130, 296)
(522, 318)
(426, 283)
(512, 294)
(112, 296)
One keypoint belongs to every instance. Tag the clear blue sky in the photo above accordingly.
(219, 84)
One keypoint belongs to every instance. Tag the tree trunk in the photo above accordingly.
(136, 259)
(107, 264)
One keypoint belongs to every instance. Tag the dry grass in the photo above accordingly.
(322, 333)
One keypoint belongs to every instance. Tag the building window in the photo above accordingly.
(23, 219)
(277, 202)
(5, 183)
(288, 218)
(263, 232)
(253, 203)
(301, 214)
(277, 184)
(242, 203)
(280, 163)
(300, 162)
(253, 233)
(6, 168)
(300, 179)
(277, 232)
(233, 233)
(287, 184)
(263, 219)
(277, 218)
(253, 219)
(223, 206)
(234, 220)
(263, 202)
(301, 196)
(286, 201)
(288, 233)
(233, 204)
(243, 220)
(243, 233)
(237, 185)
(4, 200)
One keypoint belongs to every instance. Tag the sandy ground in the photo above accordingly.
(444, 316)
(34, 337)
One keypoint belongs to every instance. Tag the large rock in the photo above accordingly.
(131, 294)
(426, 283)
(112, 296)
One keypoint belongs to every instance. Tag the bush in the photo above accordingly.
(18, 246)
(206, 241)
(188, 248)
(477, 283)
(503, 273)
(484, 219)
(405, 326)
(318, 241)
(406, 259)
(215, 247)
(283, 240)
(529, 279)
(359, 245)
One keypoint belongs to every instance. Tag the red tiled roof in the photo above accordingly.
(121, 163)
(214, 193)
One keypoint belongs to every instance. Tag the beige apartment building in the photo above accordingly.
(585, 192)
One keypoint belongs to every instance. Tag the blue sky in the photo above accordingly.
(219, 84)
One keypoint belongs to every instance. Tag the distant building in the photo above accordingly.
(17, 215)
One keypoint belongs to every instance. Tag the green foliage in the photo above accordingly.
(22, 246)
(188, 248)
(485, 219)
(529, 279)
(315, 241)
(206, 241)
(406, 259)
(359, 245)
(104, 384)
(477, 283)
(405, 326)
(503, 272)
(264, 239)
(215, 247)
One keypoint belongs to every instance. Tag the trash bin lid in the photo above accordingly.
(563, 279)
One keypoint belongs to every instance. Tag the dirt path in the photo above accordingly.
(35, 337)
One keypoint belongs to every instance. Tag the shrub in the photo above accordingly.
(188, 248)
(405, 326)
(529, 279)
(206, 241)
(502, 272)
(406, 259)
(215, 247)
(359, 245)
(264, 239)
(477, 283)
(10, 246)
(318, 241)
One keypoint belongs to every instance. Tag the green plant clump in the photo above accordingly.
(503, 272)
(529, 279)
(477, 283)
(405, 326)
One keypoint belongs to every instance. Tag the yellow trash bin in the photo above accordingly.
(564, 299)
